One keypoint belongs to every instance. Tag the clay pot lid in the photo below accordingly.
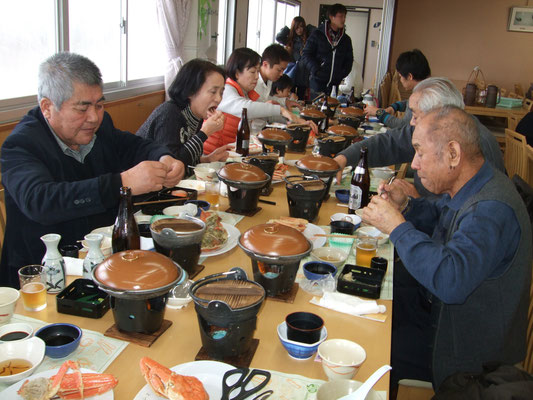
(136, 270)
(304, 127)
(352, 111)
(274, 240)
(342, 129)
(262, 157)
(241, 172)
(317, 162)
(307, 182)
(274, 134)
(312, 112)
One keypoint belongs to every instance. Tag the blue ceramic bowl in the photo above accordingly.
(343, 195)
(61, 339)
(297, 350)
(315, 270)
(201, 204)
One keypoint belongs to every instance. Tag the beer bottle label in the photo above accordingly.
(359, 170)
(245, 144)
(356, 195)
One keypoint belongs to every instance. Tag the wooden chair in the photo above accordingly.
(384, 90)
(2, 217)
(527, 105)
(528, 362)
(402, 171)
(529, 165)
(512, 121)
(515, 154)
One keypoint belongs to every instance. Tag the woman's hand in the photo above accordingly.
(214, 123)
(219, 154)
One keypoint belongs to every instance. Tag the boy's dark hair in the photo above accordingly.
(275, 54)
(335, 9)
(241, 59)
(282, 83)
(190, 79)
(415, 63)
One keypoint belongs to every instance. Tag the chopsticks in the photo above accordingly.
(267, 202)
(340, 235)
(143, 203)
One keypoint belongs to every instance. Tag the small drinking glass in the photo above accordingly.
(33, 287)
(212, 193)
(365, 250)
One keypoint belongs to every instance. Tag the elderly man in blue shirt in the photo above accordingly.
(468, 256)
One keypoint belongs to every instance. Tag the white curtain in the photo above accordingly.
(173, 16)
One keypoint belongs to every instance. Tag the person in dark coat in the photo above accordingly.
(328, 53)
(294, 40)
(64, 163)
(525, 127)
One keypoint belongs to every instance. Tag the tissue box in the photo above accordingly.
(83, 298)
(360, 281)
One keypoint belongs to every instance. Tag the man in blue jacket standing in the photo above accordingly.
(328, 53)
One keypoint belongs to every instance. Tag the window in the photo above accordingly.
(265, 19)
(122, 37)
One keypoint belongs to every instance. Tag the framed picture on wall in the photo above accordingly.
(521, 19)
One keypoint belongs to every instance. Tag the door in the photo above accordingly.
(207, 29)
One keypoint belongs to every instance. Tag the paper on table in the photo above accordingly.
(352, 305)
(73, 266)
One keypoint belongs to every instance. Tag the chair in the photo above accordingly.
(512, 121)
(527, 105)
(529, 165)
(2, 218)
(402, 171)
(515, 153)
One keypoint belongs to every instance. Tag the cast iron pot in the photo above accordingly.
(299, 134)
(312, 114)
(180, 239)
(226, 329)
(267, 162)
(138, 282)
(245, 182)
(331, 145)
(319, 165)
(346, 131)
(304, 195)
(351, 116)
(275, 251)
(278, 139)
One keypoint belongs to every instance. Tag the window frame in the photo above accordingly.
(15, 108)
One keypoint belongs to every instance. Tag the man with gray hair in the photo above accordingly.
(394, 145)
(469, 255)
(64, 163)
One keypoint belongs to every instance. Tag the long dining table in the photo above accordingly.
(181, 342)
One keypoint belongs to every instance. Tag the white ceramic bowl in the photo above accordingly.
(341, 358)
(374, 232)
(383, 173)
(354, 219)
(336, 389)
(189, 209)
(205, 173)
(16, 327)
(332, 255)
(31, 350)
(8, 301)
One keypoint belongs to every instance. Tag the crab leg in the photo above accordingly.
(92, 384)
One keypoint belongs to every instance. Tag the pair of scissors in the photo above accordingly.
(244, 378)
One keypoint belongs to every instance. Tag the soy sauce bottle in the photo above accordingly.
(351, 97)
(243, 135)
(125, 231)
(360, 185)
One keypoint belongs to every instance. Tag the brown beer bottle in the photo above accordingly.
(360, 185)
(243, 135)
(125, 231)
(351, 97)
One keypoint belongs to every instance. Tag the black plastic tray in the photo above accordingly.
(83, 298)
(366, 281)
(164, 194)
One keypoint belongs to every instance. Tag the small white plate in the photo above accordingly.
(210, 373)
(233, 238)
(192, 184)
(11, 392)
(310, 231)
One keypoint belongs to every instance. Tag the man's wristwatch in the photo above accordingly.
(380, 112)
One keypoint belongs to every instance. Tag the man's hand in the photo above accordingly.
(214, 123)
(219, 154)
(393, 193)
(370, 110)
(407, 187)
(175, 170)
(145, 177)
(342, 161)
(382, 214)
